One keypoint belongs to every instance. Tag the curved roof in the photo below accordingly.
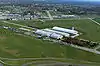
(49, 34)
(65, 30)
(56, 36)
(43, 33)
(62, 33)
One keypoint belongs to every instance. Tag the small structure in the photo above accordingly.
(68, 16)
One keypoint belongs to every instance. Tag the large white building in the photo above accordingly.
(57, 32)
(49, 34)
(65, 30)
(61, 33)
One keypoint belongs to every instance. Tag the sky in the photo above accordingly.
(79, 0)
(30, 1)
(70, 0)
(51, 0)
(87, 0)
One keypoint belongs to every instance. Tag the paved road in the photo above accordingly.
(51, 63)
(39, 62)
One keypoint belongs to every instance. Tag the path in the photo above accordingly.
(17, 24)
(51, 18)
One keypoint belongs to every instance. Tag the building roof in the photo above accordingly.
(61, 33)
(65, 30)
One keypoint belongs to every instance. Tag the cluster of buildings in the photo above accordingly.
(28, 16)
(57, 32)
(10, 16)
(65, 16)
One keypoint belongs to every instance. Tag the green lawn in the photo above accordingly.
(15, 46)
(89, 30)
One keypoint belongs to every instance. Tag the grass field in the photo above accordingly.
(89, 29)
(16, 46)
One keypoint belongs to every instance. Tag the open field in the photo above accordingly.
(17, 46)
(89, 30)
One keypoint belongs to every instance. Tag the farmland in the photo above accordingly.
(13, 45)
